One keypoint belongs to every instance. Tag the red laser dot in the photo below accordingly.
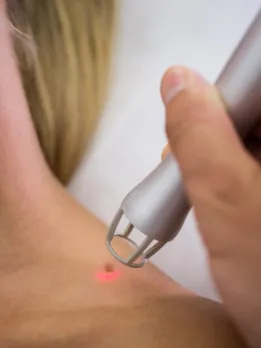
(109, 274)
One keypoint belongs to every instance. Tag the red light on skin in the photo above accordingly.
(108, 275)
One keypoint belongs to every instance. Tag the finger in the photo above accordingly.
(165, 152)
(223, 184)
(213, 161)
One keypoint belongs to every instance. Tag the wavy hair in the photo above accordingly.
(63, 49)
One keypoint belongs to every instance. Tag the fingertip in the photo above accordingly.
(165, 152)
(172, 82)
(178, 79)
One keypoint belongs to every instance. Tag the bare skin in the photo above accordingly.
(223, 183)
(51, 249)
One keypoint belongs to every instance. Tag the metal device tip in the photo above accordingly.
(141, 252)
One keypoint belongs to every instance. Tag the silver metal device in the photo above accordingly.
(157, 207)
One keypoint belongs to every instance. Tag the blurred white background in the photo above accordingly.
(151, 36)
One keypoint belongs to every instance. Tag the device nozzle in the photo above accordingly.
(142, 252)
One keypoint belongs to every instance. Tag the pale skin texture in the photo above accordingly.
(51, 249)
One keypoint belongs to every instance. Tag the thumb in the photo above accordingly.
(217, 170)
(210, 154)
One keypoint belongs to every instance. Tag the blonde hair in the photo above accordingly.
(63, 49)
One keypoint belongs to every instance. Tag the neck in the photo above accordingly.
(21, 159)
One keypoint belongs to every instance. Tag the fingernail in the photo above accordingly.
(172, 84)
